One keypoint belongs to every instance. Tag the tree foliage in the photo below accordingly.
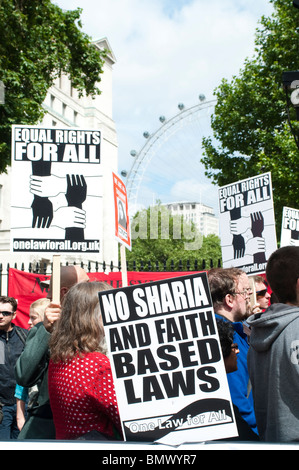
(250, 124)
(170, 241)
(39, 41)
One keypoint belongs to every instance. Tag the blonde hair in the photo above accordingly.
(39, 306)
(80, 328)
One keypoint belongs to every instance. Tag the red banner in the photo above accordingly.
(27, 287)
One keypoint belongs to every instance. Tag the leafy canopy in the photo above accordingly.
(170, 241)
(39, 41)
(250, 126)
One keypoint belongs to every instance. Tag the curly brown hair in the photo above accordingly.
(80, 327)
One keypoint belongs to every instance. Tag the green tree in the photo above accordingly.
(158, 237)
(39, 41)
(250, 124)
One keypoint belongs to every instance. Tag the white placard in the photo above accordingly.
(290, 227)
(247, 223)
(166, 360)
(57, 190)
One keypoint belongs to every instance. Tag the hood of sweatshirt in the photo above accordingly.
(266, 327)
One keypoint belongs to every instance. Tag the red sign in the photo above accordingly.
(122, 221)
(27, 287)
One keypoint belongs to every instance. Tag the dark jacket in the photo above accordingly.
(32, 369)
(273, 363)
(11, 347)
(238, 381)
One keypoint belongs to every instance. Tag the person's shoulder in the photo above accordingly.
(38, 333)
(99, 359)
(22, 333)
(20, 328)
(38, 327)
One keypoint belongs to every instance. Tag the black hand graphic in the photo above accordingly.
(257, 228)
(42, 209)
(76, 190)
(238, 240)
(75, 196)
(41, 168)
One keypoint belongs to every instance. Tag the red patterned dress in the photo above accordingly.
(82, 396)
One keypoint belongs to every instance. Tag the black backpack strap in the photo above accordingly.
(22, 334)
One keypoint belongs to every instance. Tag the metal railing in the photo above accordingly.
(90, 267)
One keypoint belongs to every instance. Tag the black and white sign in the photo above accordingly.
(247, 223)
(290, 227)
(57, 182)
(167, 364)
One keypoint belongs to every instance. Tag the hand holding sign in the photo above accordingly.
(53, 311)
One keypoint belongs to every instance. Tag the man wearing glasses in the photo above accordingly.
(230, 291)
(12, 341)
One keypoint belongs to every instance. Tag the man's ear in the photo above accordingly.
(228, 300)
(63, 291)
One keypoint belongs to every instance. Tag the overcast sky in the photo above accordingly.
(169, 51)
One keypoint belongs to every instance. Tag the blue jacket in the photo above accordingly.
(238, 381)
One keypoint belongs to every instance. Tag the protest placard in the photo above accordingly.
(122, 220)
(166, 360)
(289, 227)
(247, 223)
(57, 181)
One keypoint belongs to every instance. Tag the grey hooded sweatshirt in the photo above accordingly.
(273, 364)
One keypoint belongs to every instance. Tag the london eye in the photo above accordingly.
(167, 168)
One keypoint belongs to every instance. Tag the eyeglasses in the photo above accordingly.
(245, 293)
(6, 314)
(261, 293)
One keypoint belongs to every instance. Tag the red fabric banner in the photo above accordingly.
(26, 287)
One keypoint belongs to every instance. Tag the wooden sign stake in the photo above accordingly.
(56, 279)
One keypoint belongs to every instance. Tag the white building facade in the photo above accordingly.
(66, 110)
(201, 215)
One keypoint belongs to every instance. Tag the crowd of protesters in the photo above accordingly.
(56, 380)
